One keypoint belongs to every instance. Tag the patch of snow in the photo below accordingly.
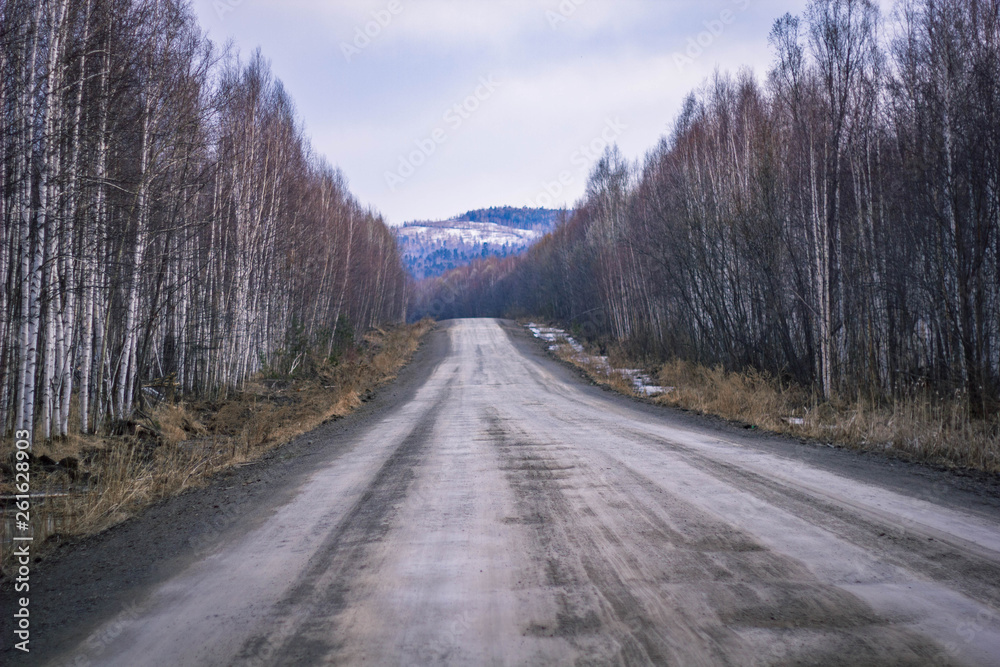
(557, 337)
(471, 233)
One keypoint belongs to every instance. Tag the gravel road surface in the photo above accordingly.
(492, 507)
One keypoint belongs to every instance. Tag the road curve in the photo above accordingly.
(509, 514)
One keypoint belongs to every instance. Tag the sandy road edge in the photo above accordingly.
(101, 578)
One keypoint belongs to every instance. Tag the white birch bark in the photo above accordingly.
(30, 280)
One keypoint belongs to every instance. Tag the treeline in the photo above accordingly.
(519, 218)
(430, 259)
(163, 216)
(837, 225)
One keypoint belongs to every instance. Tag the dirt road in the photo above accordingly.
(501, 511)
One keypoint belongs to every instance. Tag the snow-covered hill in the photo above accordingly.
(431, 248)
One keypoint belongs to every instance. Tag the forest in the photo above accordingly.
(165, 220)
(833, 222)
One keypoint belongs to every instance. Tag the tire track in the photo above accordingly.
(668, 583)
(933, 556)
(304, 620)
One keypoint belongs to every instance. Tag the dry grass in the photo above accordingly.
(177, 446)
(928, 428)
(603, 374)
(925, 428)
(751, 397)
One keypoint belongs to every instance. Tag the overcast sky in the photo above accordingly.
(534, 83)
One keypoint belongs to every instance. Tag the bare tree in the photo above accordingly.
(164, 216)
(838, 226)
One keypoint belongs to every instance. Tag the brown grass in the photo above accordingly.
(177, 446)
(928, 428)
(608, 376)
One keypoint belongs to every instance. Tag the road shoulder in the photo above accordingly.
(969, 491)
(86, 584)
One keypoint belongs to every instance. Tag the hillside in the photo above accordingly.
(430, 248)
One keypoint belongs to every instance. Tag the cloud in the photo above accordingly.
(561, 82)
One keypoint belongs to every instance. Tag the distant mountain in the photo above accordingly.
(430, 248)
